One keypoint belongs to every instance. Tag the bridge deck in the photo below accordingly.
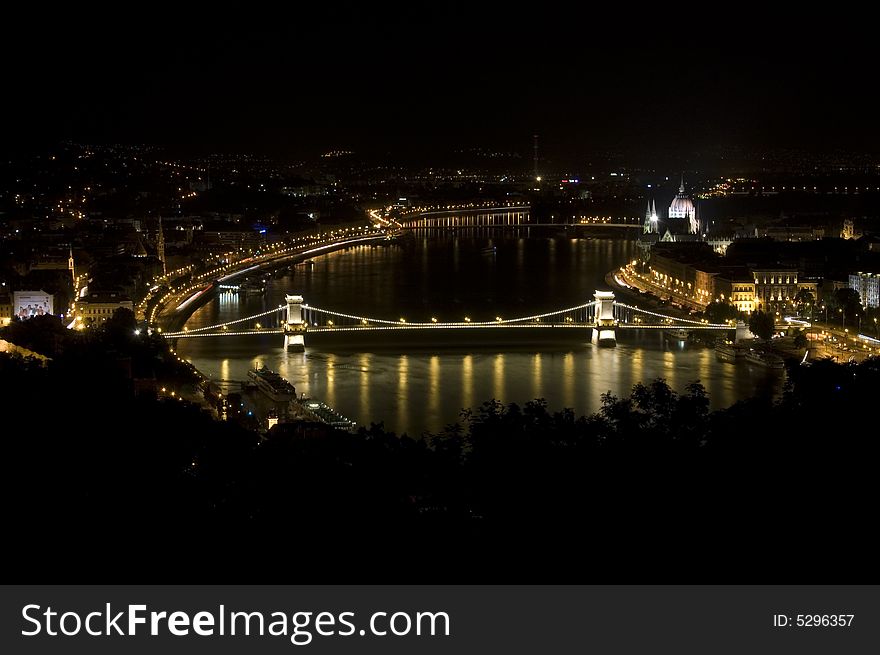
(604, 312)
(447, 326)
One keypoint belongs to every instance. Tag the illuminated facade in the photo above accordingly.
(98, 307)
(849, 231)
(5, 309)
(679, 226)
(682, 207)
(686, 273)
(688, 281)
(742, 295)
(774, 285)
(868, 286)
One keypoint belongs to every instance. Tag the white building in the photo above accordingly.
(98, 307)
(682, 207)
(681, 225)
(868, 286)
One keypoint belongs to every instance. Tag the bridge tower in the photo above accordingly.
(603, 331)
(294, 325)
(742, 332)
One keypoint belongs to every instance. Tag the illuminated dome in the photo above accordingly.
(683, 207)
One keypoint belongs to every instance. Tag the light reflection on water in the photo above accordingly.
(403, 391)
(364, 390)
(467, 382)
(417, 384)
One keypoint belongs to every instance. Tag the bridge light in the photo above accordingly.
(433, 320)
(258, 326)
(185, 329)
(467, 319)
(364, 322)
(498, 318)
(330, 323)
(403, 320)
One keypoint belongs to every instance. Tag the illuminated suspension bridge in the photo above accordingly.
(603, 315)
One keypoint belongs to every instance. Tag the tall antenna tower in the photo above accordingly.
(536, 156)
(72, 267)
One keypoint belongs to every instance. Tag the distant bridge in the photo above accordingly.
(603, 316)
(502, 216)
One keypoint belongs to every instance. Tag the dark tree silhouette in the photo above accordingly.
(761, 324)
(804, 300)
(721, 312)
(847, 300)
(151, 488)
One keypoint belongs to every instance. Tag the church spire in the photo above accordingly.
(681, 188)
(650, 225)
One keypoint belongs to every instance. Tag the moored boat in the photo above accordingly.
(252, 287)
(316, 410)
(272, 385)
(729, 352)
(766, 359)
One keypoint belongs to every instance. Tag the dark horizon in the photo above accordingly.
(666, 86)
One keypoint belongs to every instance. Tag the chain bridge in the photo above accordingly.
(603, 316)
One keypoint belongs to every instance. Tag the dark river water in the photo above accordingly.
(420, 382)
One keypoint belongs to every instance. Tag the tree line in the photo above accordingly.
(653, 487)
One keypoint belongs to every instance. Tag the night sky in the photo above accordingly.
(301, 81)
